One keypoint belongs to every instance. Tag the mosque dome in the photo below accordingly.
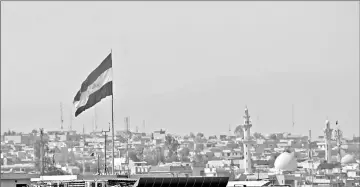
(286, 162)
(348, 159)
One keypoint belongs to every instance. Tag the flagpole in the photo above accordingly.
(112, 118)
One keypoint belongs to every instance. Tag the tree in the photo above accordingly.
(122, 139)
(140, 153)
(356, 139)
(171, 144)
(136, 138)
(34, 131)
(185, 151)
(198, 158)
(239, 132)
(192, 135)
(199, 147)
(200, 135)
(133, 156)
(212, 137)
(172, 158)
(273, 137)
(257, 135)
(153, 156)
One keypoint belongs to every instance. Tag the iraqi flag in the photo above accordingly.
(97, 86)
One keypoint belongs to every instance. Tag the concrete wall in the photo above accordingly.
(13, 182)
(11, 179)
(14, 138)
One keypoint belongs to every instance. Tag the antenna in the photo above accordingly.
(293, 121)
(229, 129)
(310, 158)
(71, 118)
(144, 125)
(95, 119)
(338, 137)
(61, 117)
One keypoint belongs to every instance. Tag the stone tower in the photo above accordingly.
(328, 134)
(247, 141)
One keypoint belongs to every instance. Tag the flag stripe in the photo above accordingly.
(104, 78)
(105, 65)
(96, 97)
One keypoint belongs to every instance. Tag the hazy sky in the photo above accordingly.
(184, 66)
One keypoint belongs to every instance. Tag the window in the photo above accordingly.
(21, 185)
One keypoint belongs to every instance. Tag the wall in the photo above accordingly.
(13, 182)
(198, 171)
(15, 138)
(11, 179)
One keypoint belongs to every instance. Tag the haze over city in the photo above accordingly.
(181, 70)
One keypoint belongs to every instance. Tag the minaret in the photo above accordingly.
(328, 133)
(247, 142)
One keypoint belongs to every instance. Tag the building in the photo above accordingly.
(14, 138)
(16, 179)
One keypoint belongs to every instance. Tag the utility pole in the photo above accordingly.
(83, 161)
(229, 130)
(98, 161)
(41, 152)
(71, 120)
(61, 117)
(310, 158)
(144, 126)
(95, 125)
(105, 148)
(127, 123)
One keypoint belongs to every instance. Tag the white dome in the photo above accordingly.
(286, 162)
(348, 159)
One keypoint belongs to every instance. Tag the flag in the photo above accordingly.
(97, 86)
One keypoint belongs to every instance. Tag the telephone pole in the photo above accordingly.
(71, 120)
(61, 117)
(83, 161)
(310, 158)
(41, 151)
(127, 123)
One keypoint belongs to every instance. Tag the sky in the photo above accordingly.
(183, 66)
